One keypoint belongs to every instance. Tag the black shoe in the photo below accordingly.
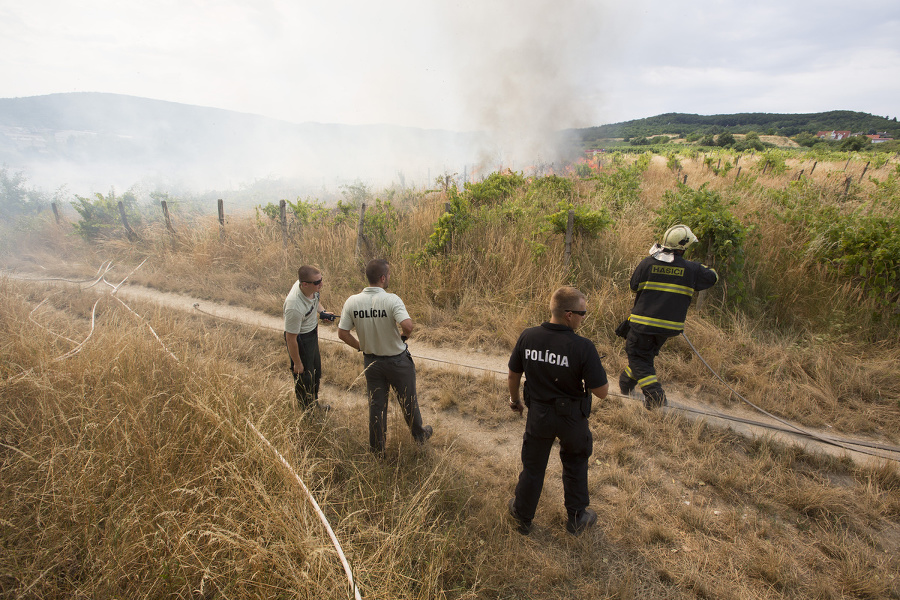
(427, 432)
(523, 526)
(585, 519)
(316, 406)
(654, 401)
(626, 385)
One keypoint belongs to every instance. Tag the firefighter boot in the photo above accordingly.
(654, 397)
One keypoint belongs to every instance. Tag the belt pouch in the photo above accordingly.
(563, 407)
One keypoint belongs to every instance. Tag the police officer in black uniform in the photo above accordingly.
(665, 283)
(562, 370)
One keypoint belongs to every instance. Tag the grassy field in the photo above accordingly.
(128, 467)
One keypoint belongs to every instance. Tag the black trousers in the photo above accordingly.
(382, 374)
(642, 349)
(306, 384)
(567, 420)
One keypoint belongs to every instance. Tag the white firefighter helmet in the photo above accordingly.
(678, 237)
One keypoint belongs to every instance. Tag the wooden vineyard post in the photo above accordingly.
(359, 228)
(221, 219)
(132, 236)
(447, 208)
(282, 215)
(570, 224)
(165, 209)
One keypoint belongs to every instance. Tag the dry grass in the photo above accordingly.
(127, 473)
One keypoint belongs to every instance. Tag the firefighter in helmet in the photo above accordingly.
(664, 284)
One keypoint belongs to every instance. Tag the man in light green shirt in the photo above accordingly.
(376, 314)
(302, 311)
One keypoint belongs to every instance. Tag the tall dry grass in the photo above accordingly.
(129, 473)
(801, 348)
(125, 473)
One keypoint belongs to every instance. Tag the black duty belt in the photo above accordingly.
(366, 354)
(552, 401)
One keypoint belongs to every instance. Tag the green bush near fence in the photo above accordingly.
(100, 218)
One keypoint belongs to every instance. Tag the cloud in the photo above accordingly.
(512, 67)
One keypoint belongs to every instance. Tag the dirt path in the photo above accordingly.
(504, 442)
(451, 428)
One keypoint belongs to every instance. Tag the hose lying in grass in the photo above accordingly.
(318, 510)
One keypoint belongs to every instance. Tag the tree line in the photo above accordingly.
(789, 125)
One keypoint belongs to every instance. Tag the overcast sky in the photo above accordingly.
(462, 65)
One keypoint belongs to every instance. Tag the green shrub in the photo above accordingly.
(15, 199)
(455, 220)
(720, 234)
(584, 170)
(805, 138)
(587, 222)
(880, 159)
(378, 221)
(855, 143)
(861, 246)
(672, 162)
(100, 216)
(774, 162)
(623, 187)
(306, 212)
(495, 189)
(750, 141)
(714, 163)
(725, 140)
(356, 193)
(547, 191)
(344, 213)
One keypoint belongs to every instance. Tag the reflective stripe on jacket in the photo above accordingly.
(664, 292)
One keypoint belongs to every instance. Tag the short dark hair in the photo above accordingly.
(308, 273)
(376, 269)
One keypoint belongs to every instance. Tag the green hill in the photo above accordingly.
(685, 124)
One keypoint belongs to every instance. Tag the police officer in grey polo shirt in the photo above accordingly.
(375, 314)
(302, 311)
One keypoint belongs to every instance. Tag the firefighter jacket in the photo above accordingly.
(664, 292)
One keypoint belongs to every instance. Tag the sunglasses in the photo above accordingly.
(319, 282)
(580, 313)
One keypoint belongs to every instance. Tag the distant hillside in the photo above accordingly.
(90, 142)
(763, 123)
(100, 140)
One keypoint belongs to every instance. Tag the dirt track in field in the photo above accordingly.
(503, 442)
